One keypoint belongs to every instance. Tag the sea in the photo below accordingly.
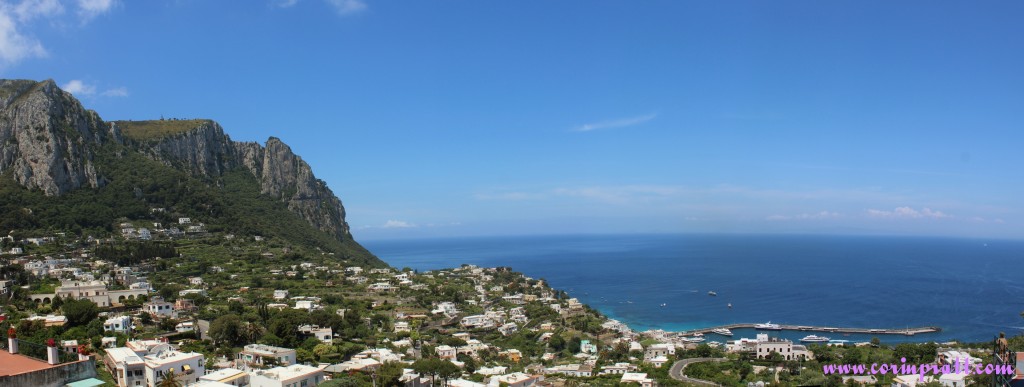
(972, 289)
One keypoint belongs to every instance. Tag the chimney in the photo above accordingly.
(52, 356)
(12, 341)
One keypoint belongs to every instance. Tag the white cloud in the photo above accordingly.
(908, 213)
(805, 216)
(285, 3)
(79, 88)
(116, 92)
(15, 16)
(347, 7)
(397, 224)
(509, 196)
(89, 9)
(620, 123)
(31, 9)
(15, 46)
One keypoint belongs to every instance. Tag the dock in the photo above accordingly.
(808, 328)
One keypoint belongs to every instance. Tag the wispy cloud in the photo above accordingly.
(89, 9)
(15, 46)
(347, 7)
(16, 17)
(509, 196)
(27, 10)
(619, 123)
(908, 213)
(285, 3)
(79, 88)
(398, 224)
(116, 92)
(806, 216)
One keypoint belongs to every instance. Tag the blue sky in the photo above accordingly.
(451, 118)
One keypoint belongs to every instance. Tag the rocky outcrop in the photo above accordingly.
(206, 151)
(48, 141)
(47, 138)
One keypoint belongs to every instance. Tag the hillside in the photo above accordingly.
(63, 169)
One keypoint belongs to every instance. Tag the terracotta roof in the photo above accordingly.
(19, 364)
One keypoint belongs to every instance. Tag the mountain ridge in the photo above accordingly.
(49, 142)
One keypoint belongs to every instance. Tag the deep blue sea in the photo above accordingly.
(971, 288)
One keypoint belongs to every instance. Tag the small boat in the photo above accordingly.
(722, 331)
(712, 294)
(814, 339)
(663, 305)
(730, 305)
(768, 326)
(693, 339)
(698, 334)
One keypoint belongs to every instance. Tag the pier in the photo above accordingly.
(787, 327)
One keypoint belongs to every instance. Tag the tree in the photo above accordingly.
(170, 379)
(226, 329)
(447, 370)
(79, 312)
(252, 332)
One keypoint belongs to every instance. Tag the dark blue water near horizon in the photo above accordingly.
(971, 288)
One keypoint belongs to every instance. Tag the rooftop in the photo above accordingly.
(290, 372)
(168, 357)
(122, 354)
(19, 364)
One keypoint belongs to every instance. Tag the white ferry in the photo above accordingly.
(722, 331)
(814, 339)
(768, 326)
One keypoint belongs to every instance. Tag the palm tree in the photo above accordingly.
(170, 379)
(252, 331)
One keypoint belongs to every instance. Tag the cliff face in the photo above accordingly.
(205, 150)
(48, 142)
(47, 137)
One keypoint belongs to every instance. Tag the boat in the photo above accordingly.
(814, 339)
(693, 339)
(712, 293)
(722, 331)
(698, 334)
(663, 305)
(768, 326)
(730, 305)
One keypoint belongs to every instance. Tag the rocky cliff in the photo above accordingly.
(48, 142)
(202, 148)
(47, 137)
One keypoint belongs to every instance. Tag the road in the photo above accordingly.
(677, 370)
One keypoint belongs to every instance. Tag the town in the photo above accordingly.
(184, 306)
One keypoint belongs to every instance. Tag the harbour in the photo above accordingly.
(808, 328)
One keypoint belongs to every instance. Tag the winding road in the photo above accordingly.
(677, 370)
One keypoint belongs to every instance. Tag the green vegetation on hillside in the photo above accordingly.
(155, 129)
(136, 185)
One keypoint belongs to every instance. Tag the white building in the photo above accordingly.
(280, 294)
(477, 321)
(785, 348)
(229, 376)
(638, 378)
(291, 376)
(259, 353)
(159, 308)
(445, 352)
(126, 366)
(187, 367)
(325, 335)
(121, 324)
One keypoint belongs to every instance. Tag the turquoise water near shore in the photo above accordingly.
(971, 288)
